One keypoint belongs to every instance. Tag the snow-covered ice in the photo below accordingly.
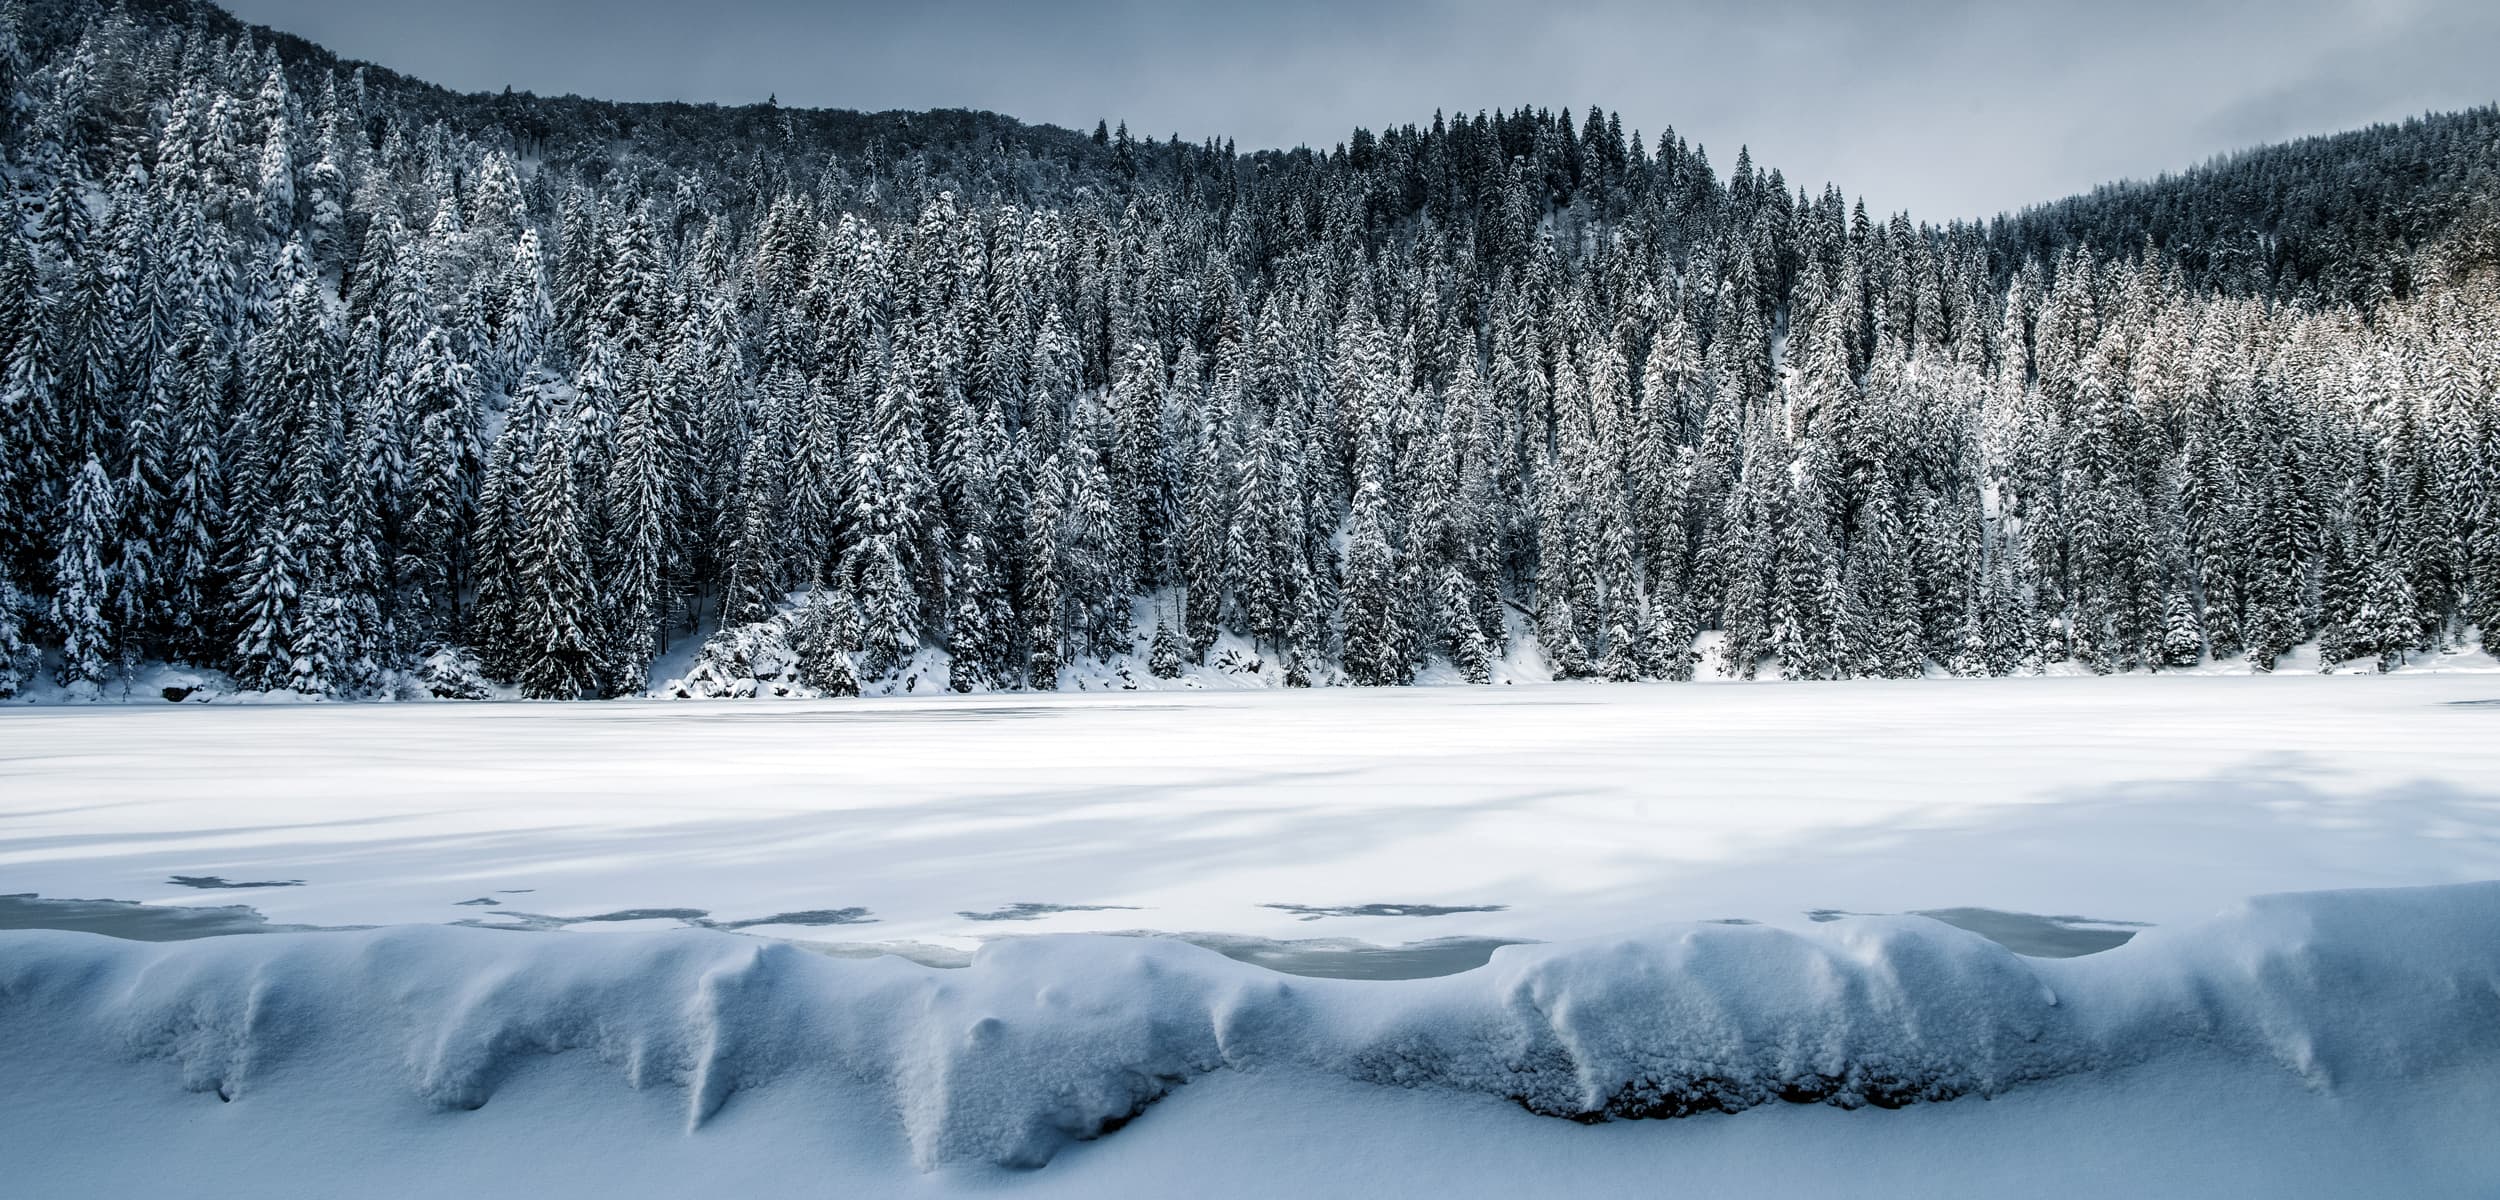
(1530, 812)
(2331, 1042)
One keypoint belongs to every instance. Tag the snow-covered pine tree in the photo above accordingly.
(2388, 623)
(2183, 638)
(1045, 629)
(555, 602)
(1166, 653)
(188, 549)
(285, 589)
(1374, 618)
(82, 579)
(826, 637)
(443, 460)
(638, 551)
(19, 658)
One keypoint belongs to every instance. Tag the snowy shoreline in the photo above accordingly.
(1046, 1042)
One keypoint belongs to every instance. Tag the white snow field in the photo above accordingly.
(1577, 809)
(2331, 1042)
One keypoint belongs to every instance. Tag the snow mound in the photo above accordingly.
(1047, 1040)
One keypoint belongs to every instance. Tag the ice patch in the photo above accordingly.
(2023, 933)
(1025, 911)
(1312, 912)
(689, 918)
(1345, 958)
(135, 921)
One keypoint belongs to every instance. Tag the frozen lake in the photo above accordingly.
(1276, 823)
(1714, 867)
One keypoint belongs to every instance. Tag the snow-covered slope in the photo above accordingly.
(1045, 1042)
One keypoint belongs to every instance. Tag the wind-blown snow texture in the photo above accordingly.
(1047, 1041)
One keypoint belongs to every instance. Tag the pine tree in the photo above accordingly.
(19, 658)
(1667, 644)
(2389, 621)
(1166, 656)
(444, 459)
(892, 486)
(1807, 630)
(1045, 634)
(554, 601)
(891, 628)
(638, 551)
(1208, 542)
(1374, 626)
(974, 634)
(188, 547)
(30, 472)
(287, 588)
(1466, 645)
(494, 625)
(826, 637)
(2183, 638)
(82, 579)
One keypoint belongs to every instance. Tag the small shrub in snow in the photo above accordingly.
(1166, 660)
(453, 673)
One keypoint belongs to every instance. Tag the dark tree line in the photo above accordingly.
(341, 383)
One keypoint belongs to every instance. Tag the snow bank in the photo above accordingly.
(1048, 1040)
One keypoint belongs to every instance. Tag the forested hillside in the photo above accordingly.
(342, 384)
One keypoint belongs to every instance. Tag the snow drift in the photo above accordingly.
(1047, 1040)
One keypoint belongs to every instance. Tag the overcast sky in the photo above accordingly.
(1944, 107)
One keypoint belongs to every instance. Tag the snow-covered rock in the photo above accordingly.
(742, 662)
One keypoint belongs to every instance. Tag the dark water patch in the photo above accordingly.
(1313, 912)
(1314, 958)
(691, 918)
(482, 901)
(2035, 935)
(1342, 958)
(220, 881)
(2029, 934)
(1033, 912)
(540, 921)
(816, 917)
(1730, 921)
(133, 921)
(2473, 703)
(525, 922)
